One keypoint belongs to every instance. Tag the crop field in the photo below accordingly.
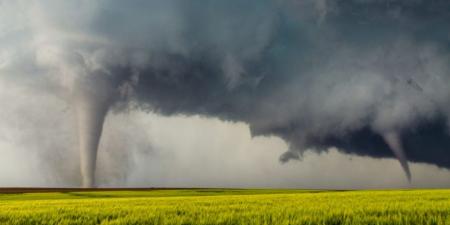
(226, 206)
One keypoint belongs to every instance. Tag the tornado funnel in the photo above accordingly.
(92, 100)
(394, 142)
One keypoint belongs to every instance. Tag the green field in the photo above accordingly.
(228, 206)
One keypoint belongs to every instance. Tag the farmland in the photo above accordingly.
(226, 206)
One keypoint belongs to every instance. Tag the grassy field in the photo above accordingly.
(227, 206)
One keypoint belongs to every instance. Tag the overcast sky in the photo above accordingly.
(236, 93)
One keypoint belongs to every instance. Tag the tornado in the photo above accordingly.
(392, 139)
(92, 99)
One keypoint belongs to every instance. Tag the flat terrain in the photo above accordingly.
(223, 206)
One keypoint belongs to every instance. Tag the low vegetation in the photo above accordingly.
(225, 206)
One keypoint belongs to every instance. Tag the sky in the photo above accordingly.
(39, 148)
(238, 93)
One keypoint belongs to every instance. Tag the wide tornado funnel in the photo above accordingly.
(93, 97)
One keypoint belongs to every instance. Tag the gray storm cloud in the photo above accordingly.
(368, 77)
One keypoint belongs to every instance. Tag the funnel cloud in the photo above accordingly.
(92, 99)
(365, 77)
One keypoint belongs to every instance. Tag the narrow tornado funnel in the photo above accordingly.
(394, 142)
(92, 95)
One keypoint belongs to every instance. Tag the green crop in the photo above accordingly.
(221, 206)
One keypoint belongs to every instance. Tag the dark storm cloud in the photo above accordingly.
(368, 76)
(368, 68)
